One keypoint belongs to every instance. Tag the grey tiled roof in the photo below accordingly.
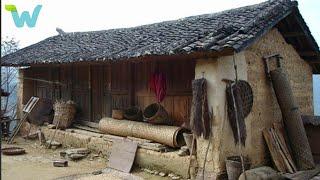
(233, 29)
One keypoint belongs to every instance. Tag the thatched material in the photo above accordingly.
(168, 135)
(200, 117)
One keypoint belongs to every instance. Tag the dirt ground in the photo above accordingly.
(37, 164)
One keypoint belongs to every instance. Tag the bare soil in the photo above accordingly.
(37, 164)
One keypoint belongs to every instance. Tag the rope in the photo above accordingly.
(236, 115)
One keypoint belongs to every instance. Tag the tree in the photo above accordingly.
(9, 78)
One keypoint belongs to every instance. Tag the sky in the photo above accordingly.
(92, 15)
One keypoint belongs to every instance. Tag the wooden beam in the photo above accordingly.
(90, 124)
(312, 61)
(308, 53)
(305, 29)
(175, 57)
(90, 92)
(293, 34)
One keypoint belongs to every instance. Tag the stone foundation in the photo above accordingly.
(98, 143)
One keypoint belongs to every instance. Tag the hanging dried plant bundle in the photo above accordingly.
(240, 102)
(200, 116)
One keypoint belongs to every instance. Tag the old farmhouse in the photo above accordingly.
(110, 69)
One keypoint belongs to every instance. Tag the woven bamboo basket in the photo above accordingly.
(156, 114)
(65, 112)
(133, 113)
(117, 114)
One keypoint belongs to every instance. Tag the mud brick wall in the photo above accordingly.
(265, 108)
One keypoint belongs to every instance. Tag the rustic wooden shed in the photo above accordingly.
(102, 70)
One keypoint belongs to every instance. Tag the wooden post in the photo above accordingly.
(90, 96)
(132, 84)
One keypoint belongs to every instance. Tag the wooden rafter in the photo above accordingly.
(308, 53)
(293, 34)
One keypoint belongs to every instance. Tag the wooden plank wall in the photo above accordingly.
(28, 85)
(100, 88)
(120, 85)
(179, 92)
(97, 89)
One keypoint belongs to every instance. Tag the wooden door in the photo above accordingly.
(66, 82)
(81, 91)
(120, 85)
(42, 79)
(106, 85)
(55, 83)
(96, 92)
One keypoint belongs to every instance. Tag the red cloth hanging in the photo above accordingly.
(158, 84)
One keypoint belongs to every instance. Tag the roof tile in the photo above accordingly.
(212, 32)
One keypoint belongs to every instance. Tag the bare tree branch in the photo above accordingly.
(9, 77)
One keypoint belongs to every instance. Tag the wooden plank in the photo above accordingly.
(113, 138)
(122, 155)
(30, 105)
(106, 88)
(179, 91)
(281, 152)
(89, 124)
(139, 140)
(148, 144)
(66, 80)
(308, 53)
(284, 147)
(293, 34)
(90, 116)
(153, 148)
(98, 77)
(274, 151)
(81, 92)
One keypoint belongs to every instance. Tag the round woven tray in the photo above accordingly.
(13, 151)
